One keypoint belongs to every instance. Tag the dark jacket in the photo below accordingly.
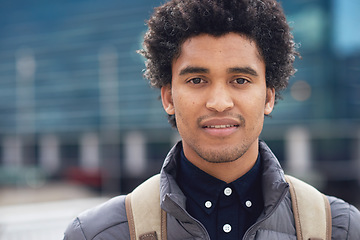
(108, 221)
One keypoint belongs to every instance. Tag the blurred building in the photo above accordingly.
(74, 104)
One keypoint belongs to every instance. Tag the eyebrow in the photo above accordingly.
(244, 70)
(191, 69)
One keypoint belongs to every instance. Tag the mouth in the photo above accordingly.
(221, 126)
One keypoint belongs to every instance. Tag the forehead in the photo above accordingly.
(228, 49)
(231, 37)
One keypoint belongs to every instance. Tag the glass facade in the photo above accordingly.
(70, 68)
(73, 66)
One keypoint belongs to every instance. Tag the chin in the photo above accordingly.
(221, 154)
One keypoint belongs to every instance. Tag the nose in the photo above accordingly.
(219, 99)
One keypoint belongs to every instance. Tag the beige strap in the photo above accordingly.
(328, 218)
(311, 211)
(147, 221)
(129, 215)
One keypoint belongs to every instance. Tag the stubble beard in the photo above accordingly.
(225, 155)
(222, 154)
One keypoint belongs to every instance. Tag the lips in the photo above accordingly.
(220, 123)
(220, 127)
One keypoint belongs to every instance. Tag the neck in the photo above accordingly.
(228, 171)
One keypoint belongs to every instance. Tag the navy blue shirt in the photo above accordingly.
(226, 210)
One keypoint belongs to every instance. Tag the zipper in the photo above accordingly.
(247, 233)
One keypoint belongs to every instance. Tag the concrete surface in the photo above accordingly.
(42, 213)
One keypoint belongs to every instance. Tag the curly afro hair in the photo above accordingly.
(262, 21)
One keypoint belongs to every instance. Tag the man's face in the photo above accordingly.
(219, 97)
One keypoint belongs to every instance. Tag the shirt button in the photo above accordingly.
(227, 191)
(248, 203)
(227, 228)
(208, 204)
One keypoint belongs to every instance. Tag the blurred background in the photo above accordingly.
(79, 124)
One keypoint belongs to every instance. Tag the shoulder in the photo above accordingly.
(101, 222)
(345, 219)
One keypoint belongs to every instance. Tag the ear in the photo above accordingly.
(270, 101)
(167, 101)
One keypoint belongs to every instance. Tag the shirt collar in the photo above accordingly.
(249, 188)
(202, 187)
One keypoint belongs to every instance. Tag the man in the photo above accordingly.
(220, 65)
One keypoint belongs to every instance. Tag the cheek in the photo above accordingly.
(254, 116)
(186, 111)
(255, 107)
(184, 102)
(180, 108)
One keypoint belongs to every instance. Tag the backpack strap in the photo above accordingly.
(147, 221)
(311, 210)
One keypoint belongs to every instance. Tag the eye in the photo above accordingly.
(241, 81)
(196, 81)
